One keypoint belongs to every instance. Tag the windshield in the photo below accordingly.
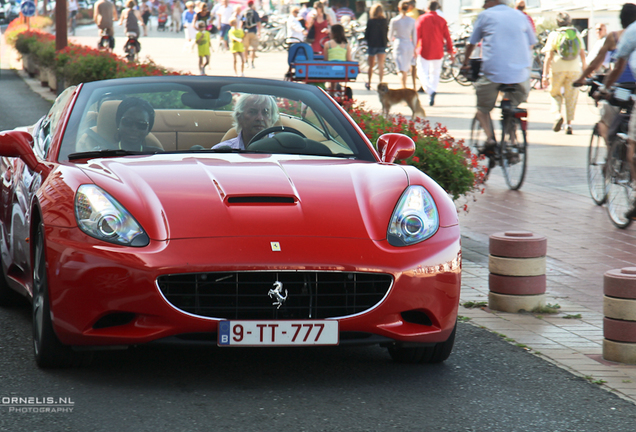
(188, 114)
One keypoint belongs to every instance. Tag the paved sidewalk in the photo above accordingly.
(554, 201)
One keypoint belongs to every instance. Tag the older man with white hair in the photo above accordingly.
(252, 114)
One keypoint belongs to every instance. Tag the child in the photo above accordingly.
(235, 37)
(203, 41)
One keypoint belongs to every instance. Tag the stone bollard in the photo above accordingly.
(517, 271)
(619, 309)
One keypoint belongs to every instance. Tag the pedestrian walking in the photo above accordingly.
(564, 62)
(224, 12)
(376, 35)
(177, 12)
(203, 43)
(252, 29)
(187, 18)
(235, 38)
(432, 38)
(318, 27)
(402, 34)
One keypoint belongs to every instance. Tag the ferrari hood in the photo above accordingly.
(253, 195)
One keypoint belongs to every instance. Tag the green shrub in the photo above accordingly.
(447, 161)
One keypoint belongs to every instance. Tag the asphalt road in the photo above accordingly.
(486, 385)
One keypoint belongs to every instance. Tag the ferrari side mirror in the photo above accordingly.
(18, 144)
(395, 146)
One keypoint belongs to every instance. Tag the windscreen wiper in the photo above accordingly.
(109, 153)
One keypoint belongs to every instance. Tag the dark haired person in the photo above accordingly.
(134, 118)
(337, 48)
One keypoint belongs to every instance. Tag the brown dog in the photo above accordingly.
(389, 97)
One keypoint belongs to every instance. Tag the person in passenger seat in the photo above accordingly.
(134, 118)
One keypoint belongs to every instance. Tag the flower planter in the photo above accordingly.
(28, 64)
(52, 79)
(43, 76)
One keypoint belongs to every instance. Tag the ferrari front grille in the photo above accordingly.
(275, 295)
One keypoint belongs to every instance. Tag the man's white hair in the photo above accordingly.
(249, 99)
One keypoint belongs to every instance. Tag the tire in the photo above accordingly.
(433, 354)
(461, 79)
(620, 195)
(596, 158)
(476, 143)
(131, 54)
(447, 73)
(8, 297)
(360, 55)
(514, 148)
(49, 351)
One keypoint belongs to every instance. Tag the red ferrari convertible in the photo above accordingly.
(232, 211)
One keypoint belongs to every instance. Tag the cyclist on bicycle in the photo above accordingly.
(608, 111)
(626, 46)
(506, 36)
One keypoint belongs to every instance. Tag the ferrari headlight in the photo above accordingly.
(99, 215)
(414, 219)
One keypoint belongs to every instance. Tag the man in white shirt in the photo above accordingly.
(224, 12)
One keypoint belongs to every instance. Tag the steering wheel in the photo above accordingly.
(273, 129)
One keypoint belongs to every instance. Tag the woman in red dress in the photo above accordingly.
(318, 24)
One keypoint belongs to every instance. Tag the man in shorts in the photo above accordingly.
(252, 29)
(506, 38)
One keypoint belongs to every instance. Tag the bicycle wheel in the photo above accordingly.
(446, 74)
(476, 143)
(620, 195)
(360, 55)
(461, 79)
(596, 158)
(514, 151)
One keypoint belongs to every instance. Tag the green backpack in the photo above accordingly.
(568, 43)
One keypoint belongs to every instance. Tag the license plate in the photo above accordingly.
(278, 333)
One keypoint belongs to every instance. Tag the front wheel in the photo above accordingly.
(514, 150)
(618, 180)
(131, 53)
(49, 351)
(433, 354)
(596, 158)
(477, 148)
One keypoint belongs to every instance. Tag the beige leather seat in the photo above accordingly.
(104, 133)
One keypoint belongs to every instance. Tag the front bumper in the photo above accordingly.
(108, 295)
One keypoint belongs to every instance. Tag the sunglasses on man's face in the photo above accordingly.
(137, 124)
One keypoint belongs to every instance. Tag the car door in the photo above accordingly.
(20, 184)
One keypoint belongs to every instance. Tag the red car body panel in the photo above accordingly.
(337, 221)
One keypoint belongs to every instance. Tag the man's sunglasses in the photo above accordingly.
(139, 125)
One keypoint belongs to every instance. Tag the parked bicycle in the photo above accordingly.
(608, 168)
(511, 150)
